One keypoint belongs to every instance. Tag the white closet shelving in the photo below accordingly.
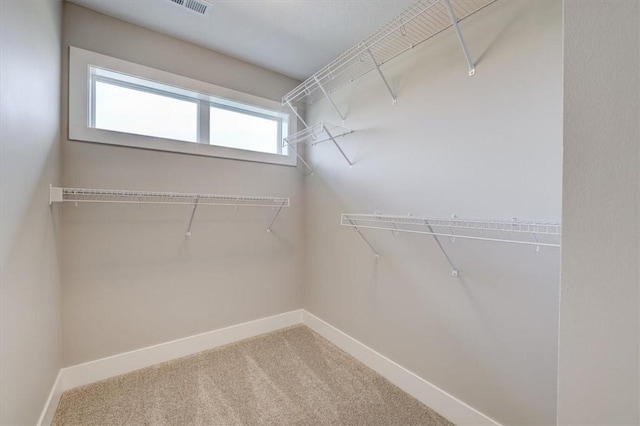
(84, 195)
(316, 134)
(418, 23)
(536, 234)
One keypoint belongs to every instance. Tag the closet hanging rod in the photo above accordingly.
(84, 195)
(537, 234)
(421, 21)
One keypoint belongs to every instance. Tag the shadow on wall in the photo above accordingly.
(31, 300)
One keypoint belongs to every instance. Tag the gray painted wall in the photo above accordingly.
(131, 278)
(30, 333)
(598, 363)
(488, 146)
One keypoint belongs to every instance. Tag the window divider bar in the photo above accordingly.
(279, 145)
(92, 100)
(204, 122)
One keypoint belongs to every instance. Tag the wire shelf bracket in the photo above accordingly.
(386, 83)
(328, 96)
(84, 195)
(463, 45)
(537, 234)
(297, 114)
(193, 214)
(316, 134)
(418, 23)
(355, 228)
(295, 151)
(454, 270)
(275, 216)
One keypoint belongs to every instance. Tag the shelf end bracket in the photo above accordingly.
(55, 195)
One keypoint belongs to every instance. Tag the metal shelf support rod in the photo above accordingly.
(386, 83)
(454, 270)
(275, 217)
(295, 151)
(456, 27)
(328, 97)
(365, 240)
(535, 237)
(296, 113)
(336, 144)
(193, 213)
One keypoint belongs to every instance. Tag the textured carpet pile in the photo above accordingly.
(288, 377)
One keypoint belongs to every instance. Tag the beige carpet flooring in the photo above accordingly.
(288, 377)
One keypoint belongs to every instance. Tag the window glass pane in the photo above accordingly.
(243, 131)
(129, 110)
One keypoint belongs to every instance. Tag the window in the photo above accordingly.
(237, 129)
(121, 103)
(133, 110)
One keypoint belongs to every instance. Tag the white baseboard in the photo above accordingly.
(430, 395)
(104, 368)
(115, 365)
(52, 402)
(78, 375)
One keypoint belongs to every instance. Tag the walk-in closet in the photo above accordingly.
(300, 212)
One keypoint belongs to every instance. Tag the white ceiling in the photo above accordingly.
(292, 37)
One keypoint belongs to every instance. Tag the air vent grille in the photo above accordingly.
(198, 6)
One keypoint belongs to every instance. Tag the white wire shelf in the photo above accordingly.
(536, 234)
(418, 23)
(529, 233)
(84, 195)
(316, 134)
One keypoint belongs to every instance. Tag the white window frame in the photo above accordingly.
(80, 127)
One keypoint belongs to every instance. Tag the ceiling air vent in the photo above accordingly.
(198, 6)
